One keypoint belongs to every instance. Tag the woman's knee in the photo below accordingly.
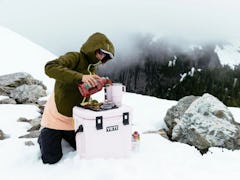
(50, 145)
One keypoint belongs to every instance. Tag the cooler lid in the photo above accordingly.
(91, 115)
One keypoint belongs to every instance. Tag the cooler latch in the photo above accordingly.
(126, 118)
(99, 122)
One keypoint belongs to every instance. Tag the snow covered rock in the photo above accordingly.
(207, 122)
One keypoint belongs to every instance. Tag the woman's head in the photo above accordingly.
(98, 47)
(103, 55)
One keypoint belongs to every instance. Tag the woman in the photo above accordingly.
(69, 70)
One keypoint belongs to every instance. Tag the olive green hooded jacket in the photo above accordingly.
(68, 70)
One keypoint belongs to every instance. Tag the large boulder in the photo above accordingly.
(28, 93)
(17, 79)
(206, 123)
(21, 87)
(175, 113)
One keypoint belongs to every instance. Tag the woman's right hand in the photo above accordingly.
(91, 79)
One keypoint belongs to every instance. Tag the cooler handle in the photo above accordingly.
(80, 129)
(125, 118)
(99, 122)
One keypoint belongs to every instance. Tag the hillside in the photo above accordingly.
(164, 70)
(19, 54)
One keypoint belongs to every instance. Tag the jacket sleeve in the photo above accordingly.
(62, 69)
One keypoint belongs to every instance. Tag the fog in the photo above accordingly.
(62, 26)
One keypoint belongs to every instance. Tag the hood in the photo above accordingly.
(96, 41)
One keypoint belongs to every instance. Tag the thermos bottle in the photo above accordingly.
(86, 90)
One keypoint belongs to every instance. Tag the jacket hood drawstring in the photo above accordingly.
(88, 69)
(89, 66)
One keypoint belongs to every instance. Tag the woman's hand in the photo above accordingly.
(91, 79)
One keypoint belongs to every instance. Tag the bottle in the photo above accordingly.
(135, 141)
(86, 90)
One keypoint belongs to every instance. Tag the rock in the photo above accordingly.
(11, 81)
(29, 143)
(35, 124)
(41, 102)
(34, 128)
(19, 78)
(34, 131)
(1, 135)
(22, 88)
(207, 123)
(175, 113)
(6, 100)
(163, 133)
(41, 108)
(28, 93)
(22, 119)
(32, 134)
(36, 121)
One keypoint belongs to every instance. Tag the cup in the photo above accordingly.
(114, 93)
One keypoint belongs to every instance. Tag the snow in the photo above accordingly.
(182, 76)
(10, 113)
(191, 72)
(172, 63)
(229, 54)
(156, 158)
(18, 54)
(3, 97)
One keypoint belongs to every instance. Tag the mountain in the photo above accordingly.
(169, 71)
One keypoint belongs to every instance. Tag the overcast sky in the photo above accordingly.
(63, 25)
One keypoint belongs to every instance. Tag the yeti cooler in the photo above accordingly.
(103, 134)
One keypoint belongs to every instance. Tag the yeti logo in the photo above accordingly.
(112, 128)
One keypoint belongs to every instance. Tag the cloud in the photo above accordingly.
(64, 25)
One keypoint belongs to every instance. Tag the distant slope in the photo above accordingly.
(19, 54)
(229, 54)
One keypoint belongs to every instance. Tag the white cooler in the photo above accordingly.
(103, 134)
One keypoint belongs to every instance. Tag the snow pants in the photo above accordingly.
(50, 144)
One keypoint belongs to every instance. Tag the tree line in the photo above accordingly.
(202, 74)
